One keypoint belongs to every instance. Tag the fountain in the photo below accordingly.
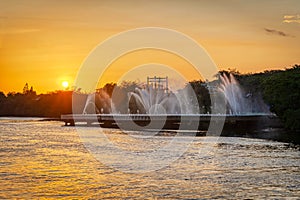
(98, 103)
(239, 102)
(153, 98)
(90, 105)
(167, 110)
(233, 95)
(150, 100)
(155, 101)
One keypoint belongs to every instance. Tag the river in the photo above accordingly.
(44, 159)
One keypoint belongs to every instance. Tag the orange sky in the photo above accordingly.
(45, 42)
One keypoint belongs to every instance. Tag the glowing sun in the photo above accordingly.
(65, 84)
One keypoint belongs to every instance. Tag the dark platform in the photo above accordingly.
(200, 122)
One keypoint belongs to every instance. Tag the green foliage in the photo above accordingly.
(202, 95)
(280, 90)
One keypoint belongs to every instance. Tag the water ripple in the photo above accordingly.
(46, 160)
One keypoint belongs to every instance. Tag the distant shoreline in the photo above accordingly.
(30, 118)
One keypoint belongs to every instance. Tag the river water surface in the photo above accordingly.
(47, 160)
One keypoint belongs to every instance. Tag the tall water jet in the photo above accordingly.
(90, 106)
(97, 103)
(158, 101)
(238, 101)
(233, 94)
(155, 101)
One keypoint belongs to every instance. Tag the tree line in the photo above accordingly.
(280, 89)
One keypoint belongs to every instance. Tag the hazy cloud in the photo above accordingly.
(277, 32)
(291, 19)
(19, 31)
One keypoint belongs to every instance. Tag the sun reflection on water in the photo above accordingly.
(45, 160)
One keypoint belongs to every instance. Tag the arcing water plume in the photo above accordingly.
(90, 106)
(238, 101)
(155, 101)
(96, 103)
(233, 94)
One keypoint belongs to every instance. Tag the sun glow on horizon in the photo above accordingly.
(45, 43)
(65, 84)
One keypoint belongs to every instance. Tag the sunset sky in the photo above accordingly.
(45, 42)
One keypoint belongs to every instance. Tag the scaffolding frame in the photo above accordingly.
(158, 83)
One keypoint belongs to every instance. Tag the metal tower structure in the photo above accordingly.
(158, 83)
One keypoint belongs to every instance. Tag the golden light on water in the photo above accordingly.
(58, 165)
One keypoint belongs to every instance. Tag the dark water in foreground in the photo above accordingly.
(46, 160)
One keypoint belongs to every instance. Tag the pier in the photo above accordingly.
(173, 121)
